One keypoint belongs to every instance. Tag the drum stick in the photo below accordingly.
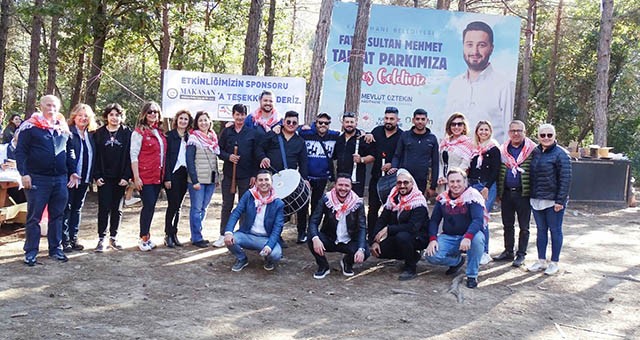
(233, 172)
(355, 165)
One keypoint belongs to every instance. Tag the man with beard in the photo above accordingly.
(265, 118)
(400, 232)
(343, 228)
(481, 93)
(386, 139)
(320, 142)
(417, 151)
(461, 210)
(348, 155)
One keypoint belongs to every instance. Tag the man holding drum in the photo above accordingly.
(351, 153)
(260, 230)
(343, 228)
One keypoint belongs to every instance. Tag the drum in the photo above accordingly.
(385, 184)
(291, 189)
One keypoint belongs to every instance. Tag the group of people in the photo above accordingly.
(58, 159)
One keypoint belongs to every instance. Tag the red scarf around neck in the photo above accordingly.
(266, 123)
(349, 205)
(262, 201)
(207, 140)
(470, 195)
(514, 164)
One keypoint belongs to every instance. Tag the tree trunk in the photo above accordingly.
(178, 57)
(34, 58)
(523, 97)
(252, 39)
(416, 3)
(53, 55)
(292, 36)
(553, 66)
(319, 60)
(602, 74)
(268, 51)
(77, 86)
(356, 60)
(165, 45)
(100, 28)
(5, 21)
(443, 4)
(462, 5)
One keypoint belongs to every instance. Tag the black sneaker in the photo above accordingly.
(269, 265)
(30, 261)
(114, 244)
(321, 273)
(407, 274)
(60, 256)
(302, 238)
(504, 256)
(472, 282)
(347, 269)
(201, 244)
(239, 265)
(76, 246)
(519, 261)
(101, 247)
(67, 248)
(454, 269)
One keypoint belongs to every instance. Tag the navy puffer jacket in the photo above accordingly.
(550, 174)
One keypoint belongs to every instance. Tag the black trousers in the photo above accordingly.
(175, 197)
(374, 207)
(402, 246)
(330, 246)
(317, 190)
(110, 196)
(513, 203)
(242, 185)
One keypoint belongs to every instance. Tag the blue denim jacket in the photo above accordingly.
(273, 217)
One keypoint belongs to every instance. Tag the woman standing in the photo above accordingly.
(10, 130)
(456, 148)
(112, 173)
(550, 181)
(202, 164)
(81, 123)
(175, 175)
(148, 150)
(483, 173)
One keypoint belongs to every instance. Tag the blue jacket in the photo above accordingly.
(550, 174)
(41, 153)
(273, 217)
(74, 145)
(317, 160)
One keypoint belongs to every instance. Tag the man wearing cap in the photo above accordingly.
(350, 151)
(417, 151)
(386, 139)
(320, 142)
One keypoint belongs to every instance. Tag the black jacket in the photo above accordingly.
(418, 153)
(489, 169)
(295, 151)
(247, 142)
(173, 148)
(356, 223)
(74, 145)
(112, 155)
(414, 221)
(550, 174)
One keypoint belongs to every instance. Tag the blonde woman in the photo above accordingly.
(82, 123)
(456, 148)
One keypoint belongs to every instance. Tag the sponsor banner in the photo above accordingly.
(217, 93)
(415, 58)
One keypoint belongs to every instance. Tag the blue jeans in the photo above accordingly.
(449, 254)
(72, 213)
(491, 198)
(547, 221)
(51, 190)
(199, 203)
(253, 242)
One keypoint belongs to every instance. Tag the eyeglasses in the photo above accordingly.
(546, 135)
(291, 122)
(516, 131)
(349, 115)
(405, 183)
(391, 109)
(153, 112)
(457, 124)
(323, 123)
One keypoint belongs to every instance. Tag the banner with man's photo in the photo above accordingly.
(217, 93)
(416, 58)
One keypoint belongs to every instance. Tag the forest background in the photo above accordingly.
(98, 51)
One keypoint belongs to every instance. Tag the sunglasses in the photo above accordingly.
(403, 182)
(457, 124)
(291, 122)
(323, 123)
(153, 112)
(546, 135)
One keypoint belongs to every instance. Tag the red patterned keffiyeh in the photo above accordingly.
(260, 119)
(470, 195)
(462, 145)
(349, 205)
(262, 201)
(514, 164)
(483, 148)
(207, 140)
(39, 121)
(407, 202)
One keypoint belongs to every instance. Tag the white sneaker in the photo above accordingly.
(144, 245)
(219, 243)
(486, 258)
(552, 268)
(132, 201)
(151, 244)
(537, 266)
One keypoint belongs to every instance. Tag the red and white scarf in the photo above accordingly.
(470, 195)
(483, 148)
(262, 201)
(407, 202)
(39, 121)
(350, 204)
(266, 123)
(207, 140)
(463, 146)
(514, 164)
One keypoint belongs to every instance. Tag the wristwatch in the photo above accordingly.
(362, 250)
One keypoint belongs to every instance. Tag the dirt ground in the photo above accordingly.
(191, 293)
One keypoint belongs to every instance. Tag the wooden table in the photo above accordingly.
(10, 212)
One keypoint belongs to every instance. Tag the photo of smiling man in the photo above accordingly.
(481, 93)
